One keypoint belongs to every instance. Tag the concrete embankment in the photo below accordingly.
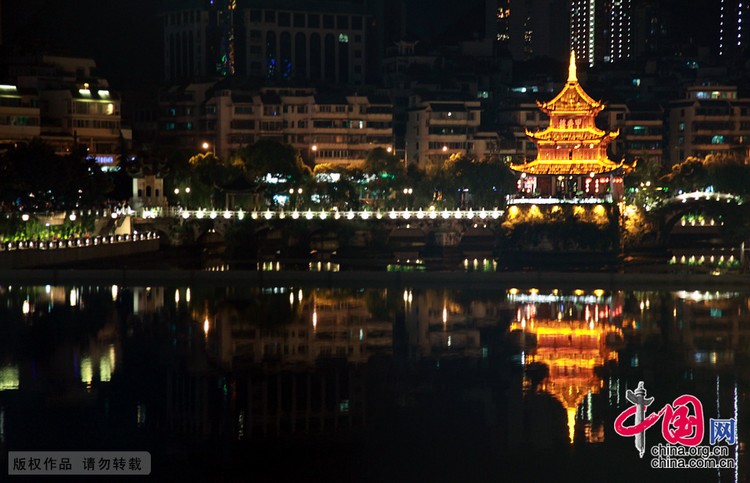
(31, 258)
(473, 280)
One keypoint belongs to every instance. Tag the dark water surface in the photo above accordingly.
(374, 385)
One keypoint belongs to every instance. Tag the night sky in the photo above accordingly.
(124, 37)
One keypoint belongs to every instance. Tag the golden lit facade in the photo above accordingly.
(572, 160)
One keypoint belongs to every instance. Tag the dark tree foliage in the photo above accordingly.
(34, 177)
(268, 156)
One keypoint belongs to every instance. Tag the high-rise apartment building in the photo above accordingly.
(600, 30)
(63, 101)
(733, 35)
(533, 28)
(313, 41)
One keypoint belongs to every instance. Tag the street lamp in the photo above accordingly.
(209, 148)
(445, 148)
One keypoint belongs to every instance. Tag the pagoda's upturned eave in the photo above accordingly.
(588, 100)
(551, 134)
(553, 111)
(575, 167)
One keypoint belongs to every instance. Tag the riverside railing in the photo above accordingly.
(77, 242)
(419, 214)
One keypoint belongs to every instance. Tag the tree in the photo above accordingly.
(36, 178)
(271, 157)
(479, 183)
(386, 173)
(727, 173)
(688, 175)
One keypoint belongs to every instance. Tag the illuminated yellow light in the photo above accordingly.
(87, 372)
(9, 380)
(571, 423)
(105, 369)
(205, 326)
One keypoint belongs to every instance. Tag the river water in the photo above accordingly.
(299, 383)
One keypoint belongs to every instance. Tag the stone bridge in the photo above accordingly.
(405, 232)
(709, 210)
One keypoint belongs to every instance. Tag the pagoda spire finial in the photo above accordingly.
(572, 77)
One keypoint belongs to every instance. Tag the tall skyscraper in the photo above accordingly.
(619, 14)
(314, 41)
(733, 35)
(600, 30)
(531, 28)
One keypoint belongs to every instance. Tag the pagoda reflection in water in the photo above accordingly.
(571, 335)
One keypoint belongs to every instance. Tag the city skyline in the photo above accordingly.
(127, 38)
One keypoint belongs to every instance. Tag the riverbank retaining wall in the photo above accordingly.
(35, 258)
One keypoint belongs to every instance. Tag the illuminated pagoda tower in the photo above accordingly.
(571, 160)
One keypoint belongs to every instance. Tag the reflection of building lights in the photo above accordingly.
(315, 319)
(9, 378)
(187, 295)
(140, 415)
(572, 376)
(291, 298)
(445, 315)
(299, 295)
(87, 371)
(73, 297)
(115, 291)
(26, 307)
(205, 327)
(105, 369)
(177, 296)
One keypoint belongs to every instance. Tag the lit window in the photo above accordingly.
(343, 38)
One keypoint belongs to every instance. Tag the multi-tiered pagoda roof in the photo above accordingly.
(571, 144)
